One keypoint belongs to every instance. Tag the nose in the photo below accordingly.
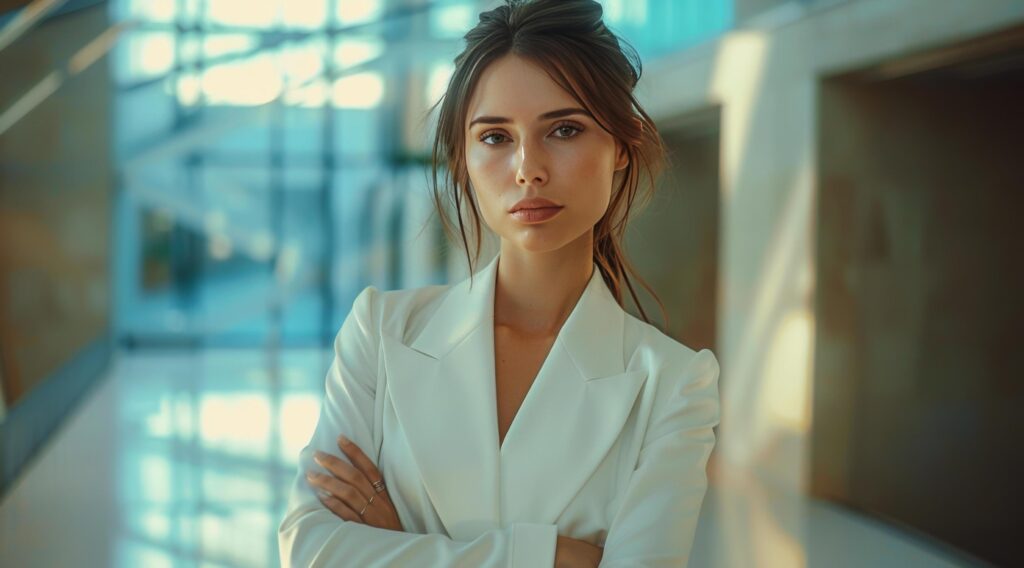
(532, 167)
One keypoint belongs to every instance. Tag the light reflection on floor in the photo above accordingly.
(183, 459)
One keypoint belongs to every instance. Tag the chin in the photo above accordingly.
(545, 238)
(532, 240)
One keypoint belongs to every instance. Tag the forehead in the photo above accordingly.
(516, 88)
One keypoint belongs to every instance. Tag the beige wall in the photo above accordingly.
(767, 83)
(746, 9)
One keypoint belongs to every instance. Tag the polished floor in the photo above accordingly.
(183, 459)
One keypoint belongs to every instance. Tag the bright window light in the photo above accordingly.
(351, 12)
(242, 13)
(304, 14)
(153, 10)
(453, 20)
(215, 45)
(252, 81)
(303, 61)
(311, 95)
(362, 90)
(437, 81)
(350, 52)
(189, 89)
(147, 54)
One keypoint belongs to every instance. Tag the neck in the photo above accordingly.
(535, 292)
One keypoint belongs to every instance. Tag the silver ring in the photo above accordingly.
(378, 485)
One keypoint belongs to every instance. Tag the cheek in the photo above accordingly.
(587, 159)
(487, 171)
(484, 171)
(480, 166)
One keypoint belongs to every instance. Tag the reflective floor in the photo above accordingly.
(183, 459)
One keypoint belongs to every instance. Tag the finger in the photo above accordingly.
(338, 489)
(345, 472)
(360, 461)
(338, 508)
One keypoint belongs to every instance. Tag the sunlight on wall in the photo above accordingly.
(770, 324)
(738, 73)
(788, 395)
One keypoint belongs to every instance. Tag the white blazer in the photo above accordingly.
(609, 446)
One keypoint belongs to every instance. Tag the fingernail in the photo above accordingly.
(343, 440)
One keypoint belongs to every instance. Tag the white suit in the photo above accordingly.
(609, 446)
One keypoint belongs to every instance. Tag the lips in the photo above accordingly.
(533, 203)
(535, 215)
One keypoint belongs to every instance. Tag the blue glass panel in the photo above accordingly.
(658, 27)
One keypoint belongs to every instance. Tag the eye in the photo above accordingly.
(568, 129)
(488, 135)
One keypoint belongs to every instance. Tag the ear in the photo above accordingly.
(621, 156)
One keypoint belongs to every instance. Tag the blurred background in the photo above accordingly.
(192, 192)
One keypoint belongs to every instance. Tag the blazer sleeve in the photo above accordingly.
(312, 535)
(657, 519)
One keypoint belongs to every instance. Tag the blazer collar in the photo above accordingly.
(442, 385)
(470, 304)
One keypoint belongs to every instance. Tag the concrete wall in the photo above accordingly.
(767, 83)
(55, 187)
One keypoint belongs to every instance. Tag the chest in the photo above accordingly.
(517, 361)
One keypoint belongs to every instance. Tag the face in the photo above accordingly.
(527, 137)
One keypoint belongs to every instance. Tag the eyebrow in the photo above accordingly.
(546, 116)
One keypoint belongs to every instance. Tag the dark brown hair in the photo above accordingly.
(568, 39)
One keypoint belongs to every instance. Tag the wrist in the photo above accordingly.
(573, 553)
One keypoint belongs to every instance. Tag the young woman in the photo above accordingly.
(526, 420)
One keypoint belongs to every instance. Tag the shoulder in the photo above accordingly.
(682, 382)
(398, 312)
(675, 365)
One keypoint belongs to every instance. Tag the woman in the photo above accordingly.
(590, 442)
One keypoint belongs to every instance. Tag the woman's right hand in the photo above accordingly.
(573, 553)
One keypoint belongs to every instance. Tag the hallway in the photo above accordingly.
(183, 458)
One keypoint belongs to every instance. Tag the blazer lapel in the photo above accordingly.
(443, 388)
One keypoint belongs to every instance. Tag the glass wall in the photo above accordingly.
(271, 155)
(260, 163)
(659, 27)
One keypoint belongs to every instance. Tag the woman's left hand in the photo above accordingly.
(348, 489)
